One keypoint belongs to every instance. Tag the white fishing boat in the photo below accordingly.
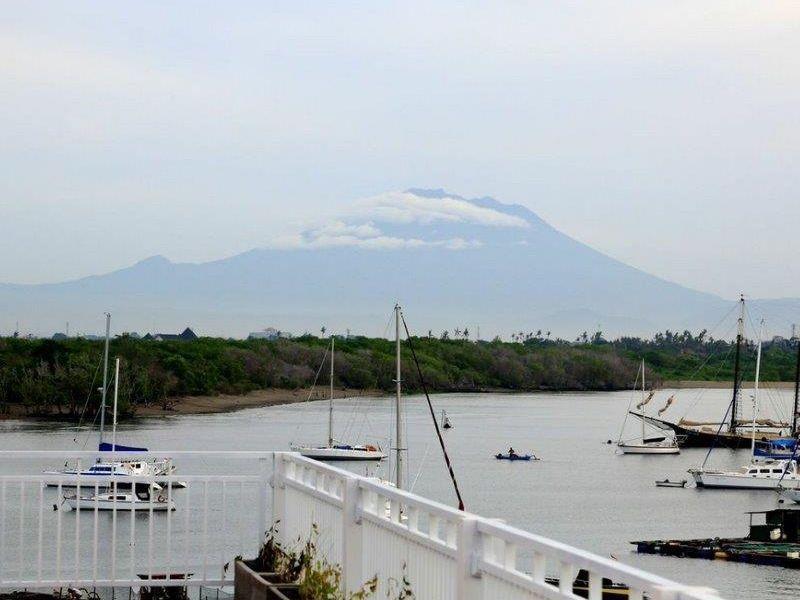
(140, 499)
(662, 444)
(760, 473)
(334, 451)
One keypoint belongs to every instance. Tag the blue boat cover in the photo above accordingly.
(106, 447)
(787, 443)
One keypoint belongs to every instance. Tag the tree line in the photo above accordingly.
(64, 377)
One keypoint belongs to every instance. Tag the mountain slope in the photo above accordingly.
(452, 262)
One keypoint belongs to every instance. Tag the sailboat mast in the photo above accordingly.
(643, 406)
(796, 392)
(330, 400)
(116, 396)
(755, 392)
(399, 429)
(105, 379)
(737, 366)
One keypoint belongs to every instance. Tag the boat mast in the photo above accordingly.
(755, 392)
(116, 396)
(330, 400)
(737, 366)
(399, 429)
(796, 392)
(105, 378)
(643, 406)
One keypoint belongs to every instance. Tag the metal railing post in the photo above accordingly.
(468, 548)
(352, 532)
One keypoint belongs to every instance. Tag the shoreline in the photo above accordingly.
(225, 403)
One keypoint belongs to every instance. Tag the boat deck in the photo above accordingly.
(780, 554)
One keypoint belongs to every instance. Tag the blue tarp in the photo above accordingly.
(106, 447)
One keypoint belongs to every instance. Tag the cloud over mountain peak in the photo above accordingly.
(385, 221)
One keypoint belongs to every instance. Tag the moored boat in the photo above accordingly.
(140, 498)
(663, 444)
(333, 451)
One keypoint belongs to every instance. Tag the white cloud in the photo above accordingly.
(359, 227)
(404, 207)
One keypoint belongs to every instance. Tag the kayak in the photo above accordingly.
(514, 457)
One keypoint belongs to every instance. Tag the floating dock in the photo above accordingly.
(775, 542)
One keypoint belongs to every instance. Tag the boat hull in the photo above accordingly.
(88, 503)
(645, 449)
(791, 494)
(694, 438)
(341, 454)
(710, 479)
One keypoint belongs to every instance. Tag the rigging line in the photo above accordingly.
(627, 412)
(310, 391)
(421, 465)
(714, 441)
(699, 394)
(433, 414)
(86, 403)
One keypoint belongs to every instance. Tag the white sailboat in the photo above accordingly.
(68, 476)
(759, 474)
(333, 451)
(663, 444)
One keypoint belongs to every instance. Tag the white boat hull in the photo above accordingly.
(711, 479)
(341, 454)
(648, 449)
(89, 503)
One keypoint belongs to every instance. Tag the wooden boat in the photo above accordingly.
(672, 484)
(733, 432)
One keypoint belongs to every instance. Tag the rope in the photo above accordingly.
(311, 391)
(433, 415)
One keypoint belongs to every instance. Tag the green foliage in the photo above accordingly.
(59, 377)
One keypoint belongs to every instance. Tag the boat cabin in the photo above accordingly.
(778, 525)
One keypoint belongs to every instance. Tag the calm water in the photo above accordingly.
(580, 493)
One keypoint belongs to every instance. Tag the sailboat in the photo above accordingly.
(733, 433)
(67, 476)
(762, 474)
(665, 444)
(333, 451)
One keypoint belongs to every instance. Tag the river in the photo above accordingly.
(581, 492)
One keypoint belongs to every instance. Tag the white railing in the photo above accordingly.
(369, 528)
(372, 529)
(45, 544)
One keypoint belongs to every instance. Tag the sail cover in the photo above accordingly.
(106, 447)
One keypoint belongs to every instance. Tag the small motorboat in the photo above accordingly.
(501, 456)
(671, 484)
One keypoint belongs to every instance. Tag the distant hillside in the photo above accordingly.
(450, 261)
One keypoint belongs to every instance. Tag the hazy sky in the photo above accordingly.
(663, 133)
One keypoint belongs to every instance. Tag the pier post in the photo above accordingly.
(263, 484)
(352, 540)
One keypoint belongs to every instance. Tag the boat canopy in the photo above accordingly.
(106, 447)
